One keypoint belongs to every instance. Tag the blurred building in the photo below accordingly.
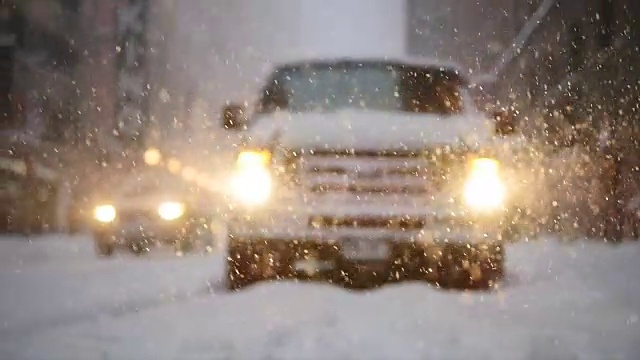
(86, 73)
(38, 60)
(578, 64)
(128, 76)
(84, 80)
(47, 64)
(11, 38)
(471, 33)
(568, 60)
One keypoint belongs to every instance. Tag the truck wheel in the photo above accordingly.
(493, 268)
(630, 225)
(104, 245)
(480, 266)
(239, 264)
(613, 230)
(248, 263)
(184, 244)
(520, 225)
(635, 226)
(74, 226)
(186, 238)
(25, 223)
(236, 263)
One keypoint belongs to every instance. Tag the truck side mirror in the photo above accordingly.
(505, 122)
(233, 117)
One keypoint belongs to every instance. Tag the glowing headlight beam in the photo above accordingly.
(484, 190)
(152, 157)
(252, 186)
(484, 193)
(484, 167)
(171, 210)
(104, 213)
(253, 159)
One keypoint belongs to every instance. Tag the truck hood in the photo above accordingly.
(368, 130)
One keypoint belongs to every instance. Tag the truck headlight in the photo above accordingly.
(104, 213)
(253, 159)
(484, 189)
(252, 183)
(171, 210)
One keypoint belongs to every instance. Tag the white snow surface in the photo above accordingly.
(578, 300)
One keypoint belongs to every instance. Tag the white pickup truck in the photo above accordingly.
(366, 171)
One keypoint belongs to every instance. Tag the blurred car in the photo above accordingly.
(367, 171)
(150, 209)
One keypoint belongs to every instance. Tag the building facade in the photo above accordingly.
(577, 58)
(576, 82)
(470, 33)
(578, 64)
(128, 76)
(11, 38)
(85, 75)
(39, 58)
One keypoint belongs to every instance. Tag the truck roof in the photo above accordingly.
(449, 70)
(406, 60)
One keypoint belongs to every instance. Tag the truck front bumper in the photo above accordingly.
(421, 242)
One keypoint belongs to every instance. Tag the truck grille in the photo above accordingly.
(364, 222)
(365, 173)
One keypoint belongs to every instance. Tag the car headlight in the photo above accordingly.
(171, 210)
(484, 189)
(104, 213)
(252, 182)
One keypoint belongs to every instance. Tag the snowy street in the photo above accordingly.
(264, 139)
(561, 301)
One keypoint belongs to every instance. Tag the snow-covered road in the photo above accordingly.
(561, 301)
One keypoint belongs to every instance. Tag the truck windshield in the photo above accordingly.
(371, 86)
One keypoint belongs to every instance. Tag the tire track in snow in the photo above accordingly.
(213, 286)
(16, 329)
(124, 309)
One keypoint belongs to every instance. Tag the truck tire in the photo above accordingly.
(104, 246)
(251, 262)
(184, 244)
(520, 225)
(238, 272)
(186, 237)
(471, 267)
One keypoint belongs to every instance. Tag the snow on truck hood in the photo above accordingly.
(368, 130)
